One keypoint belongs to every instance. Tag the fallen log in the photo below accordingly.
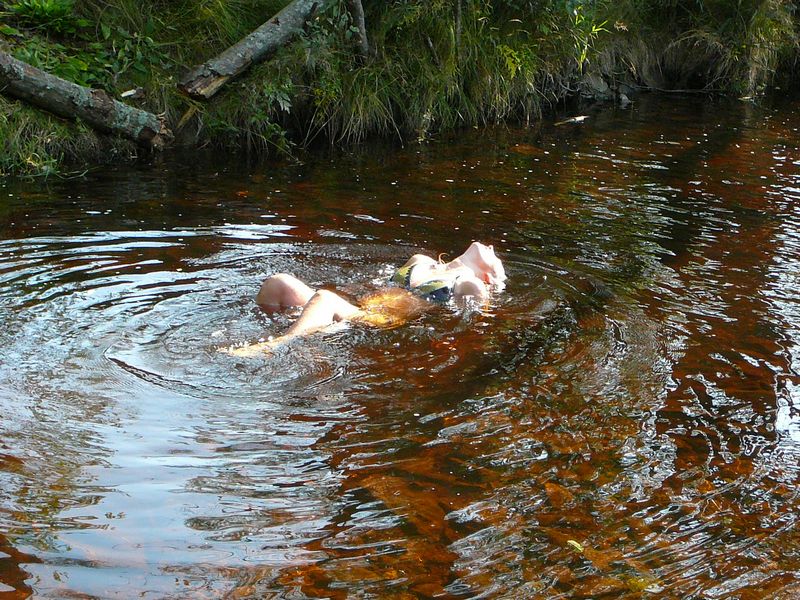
(206, 80)
(72, 101)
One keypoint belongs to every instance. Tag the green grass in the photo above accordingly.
(433, 67)
(731, 46)
(33, 143)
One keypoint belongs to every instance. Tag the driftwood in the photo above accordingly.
(206, 80)
(73, 101)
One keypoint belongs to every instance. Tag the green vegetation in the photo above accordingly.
(728, 46)
(435, 65)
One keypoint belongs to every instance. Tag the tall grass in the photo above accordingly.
(435, 68)
(735, 46)
(36, 144)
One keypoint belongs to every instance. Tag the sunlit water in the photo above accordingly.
(621, 422)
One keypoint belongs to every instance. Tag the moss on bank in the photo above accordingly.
(435, 65)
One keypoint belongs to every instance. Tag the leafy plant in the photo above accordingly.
(56, 16)
(278, 92)
(126, 52)
(56, 59)
(511, 59)
(585, 33)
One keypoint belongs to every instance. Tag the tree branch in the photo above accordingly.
(357, 13)
(205, 80)
(72, 101)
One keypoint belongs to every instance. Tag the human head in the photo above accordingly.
(485, 264)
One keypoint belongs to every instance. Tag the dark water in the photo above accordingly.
(622, 422)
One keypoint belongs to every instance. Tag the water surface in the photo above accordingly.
(621, 422)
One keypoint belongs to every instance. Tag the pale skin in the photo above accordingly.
(472, 274)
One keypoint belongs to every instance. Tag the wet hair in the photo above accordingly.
(390, 308)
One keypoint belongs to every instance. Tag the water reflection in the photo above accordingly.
(621, 422)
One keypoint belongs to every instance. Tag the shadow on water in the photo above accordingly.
(620, 422)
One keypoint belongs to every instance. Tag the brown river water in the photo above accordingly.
(623, 421)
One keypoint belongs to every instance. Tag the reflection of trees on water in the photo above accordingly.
(783, 281)
(719, 410)
(458, 471)
(684, 483)
(12, 574)
(623, 422)
(44, 483)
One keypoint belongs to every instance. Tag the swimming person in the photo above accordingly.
(422, 279)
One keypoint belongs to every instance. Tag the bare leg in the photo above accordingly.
(283, 290)
(323, 309)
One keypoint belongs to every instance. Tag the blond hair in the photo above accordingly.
(390, 308)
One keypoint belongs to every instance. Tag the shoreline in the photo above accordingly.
(427, 74)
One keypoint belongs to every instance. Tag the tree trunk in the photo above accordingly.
(73, 101)
(357, 13)
(204, 81)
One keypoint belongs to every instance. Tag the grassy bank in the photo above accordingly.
(434, 65)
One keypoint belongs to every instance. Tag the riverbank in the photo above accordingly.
(432, 66)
